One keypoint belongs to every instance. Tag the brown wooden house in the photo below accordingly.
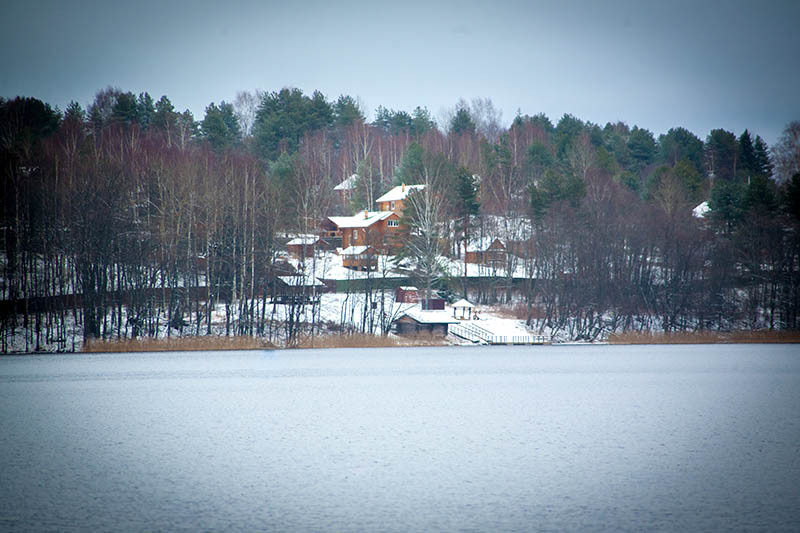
(423, 323)
(493, 254)
(359, 257)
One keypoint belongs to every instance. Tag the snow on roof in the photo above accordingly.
(701, 210)
(429, 317)
(463, 303)
(481, 245)
(361, 221)
(347, 185)
(408, 288)
(399, 193)
(354, 250)
(304, 239)
(301, 281)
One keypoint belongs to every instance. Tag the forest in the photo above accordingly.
(131, 219)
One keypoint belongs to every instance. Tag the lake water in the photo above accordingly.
(447, 438)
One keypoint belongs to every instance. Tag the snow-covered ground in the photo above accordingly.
(334, 312)
(328, 265)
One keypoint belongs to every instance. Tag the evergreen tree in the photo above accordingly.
(74, 113)
(566, 131)
(462, 122)
(642, 146)
(678, 144)
(220, 126)
(283, 118)
(164, 116)
(421, 121)
(747, 165)
(346, 110)
(125, 109)
(145, 110)
(466, 199)
(412, 168)
(721, 154)
(763, 163)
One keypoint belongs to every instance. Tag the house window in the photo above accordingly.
(393, 223)
(355, 235)
(391, 206)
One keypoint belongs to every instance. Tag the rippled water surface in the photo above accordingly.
(488, 439)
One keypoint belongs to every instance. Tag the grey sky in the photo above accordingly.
(701, 65)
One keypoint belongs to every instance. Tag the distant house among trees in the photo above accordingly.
(486, 252)
(394, 200)
(303, 246)
(380, 229)
(344, 190)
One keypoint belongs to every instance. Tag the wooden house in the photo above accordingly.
(359, 257)
(394, 200)
(406, 295)
(303, 246)
(492, 254)
(425, 323)
(379, 229)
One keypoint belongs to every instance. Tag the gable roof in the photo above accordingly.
(428, 317)
(463, 303)
(303, 239)
(399, 193)
(347, 185)
(356, 250)
(483, 245)
(361, 221)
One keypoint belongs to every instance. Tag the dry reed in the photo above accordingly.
(362, 340)
(177, 344)
(706, 337)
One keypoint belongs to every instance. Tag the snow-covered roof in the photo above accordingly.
(399, 193)
(304, 239)
(347, 185)
(301, 281)
(408, 288)
(354, 250)
(481, 245)
(429, 317)
(360, 220)
(701, 210)
(463, 303)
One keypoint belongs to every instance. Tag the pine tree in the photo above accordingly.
(763, 164)
(747, 166)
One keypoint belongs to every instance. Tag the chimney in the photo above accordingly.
(403, 187)
(366, 214)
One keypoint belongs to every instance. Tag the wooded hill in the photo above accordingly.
(129, 213)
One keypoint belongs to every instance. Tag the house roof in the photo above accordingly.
(301, 281)
(701, 210)
(355, 250)
(428, 317)
(303, 239)
(481, 245)
(463, 303)
(347, 185)
(361, 221)
(399, 193)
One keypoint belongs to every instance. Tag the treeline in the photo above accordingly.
(153, 217)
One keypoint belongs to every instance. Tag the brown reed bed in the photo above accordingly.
(173, 344)
(362, 340)
(706, 337)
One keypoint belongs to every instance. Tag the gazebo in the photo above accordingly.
(466, 308)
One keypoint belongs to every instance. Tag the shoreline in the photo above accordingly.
(214, 343)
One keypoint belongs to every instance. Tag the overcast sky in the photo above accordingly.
(697, 64)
